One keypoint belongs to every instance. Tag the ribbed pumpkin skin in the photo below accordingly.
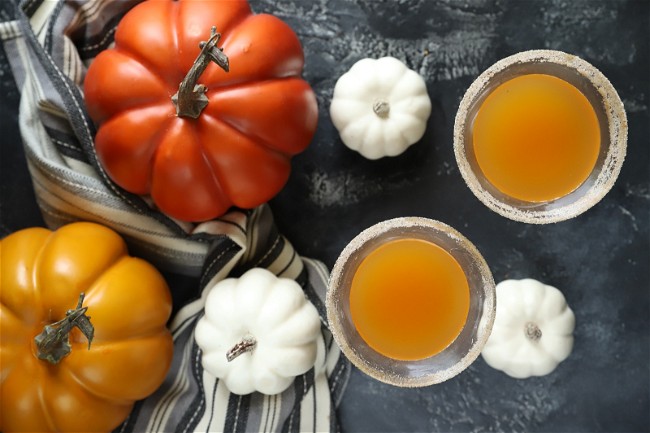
(237, 152)
(42, 276)
(521, 304)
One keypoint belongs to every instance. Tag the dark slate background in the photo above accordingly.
(599, 260)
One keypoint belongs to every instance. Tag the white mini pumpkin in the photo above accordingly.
(258, 332)
(533, 329)
(380, 107)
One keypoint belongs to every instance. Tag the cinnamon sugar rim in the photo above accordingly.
(384, 372)
(610, 107)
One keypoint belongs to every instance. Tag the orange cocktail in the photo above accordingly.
(540, 136)
(536, 138)
(409, 299)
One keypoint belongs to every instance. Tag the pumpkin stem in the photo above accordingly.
(533, 332)
(190, 99)
(53, 342)
(247, 344)
(381, 108)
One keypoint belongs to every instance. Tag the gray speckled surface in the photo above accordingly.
(599, 260)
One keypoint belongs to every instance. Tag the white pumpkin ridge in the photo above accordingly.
(533, 329)
(275, 314)
(380, 107)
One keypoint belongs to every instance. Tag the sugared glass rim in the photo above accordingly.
(474, 334)
(613, 143)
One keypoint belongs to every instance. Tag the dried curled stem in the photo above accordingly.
(247, 344)
(190, 100)
(53, 343)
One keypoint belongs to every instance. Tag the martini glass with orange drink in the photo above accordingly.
(540, 136)
(411, 302)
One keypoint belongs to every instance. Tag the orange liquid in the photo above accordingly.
(409, 299)
(536, 138)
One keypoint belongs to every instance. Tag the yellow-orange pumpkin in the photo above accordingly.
(94, 387)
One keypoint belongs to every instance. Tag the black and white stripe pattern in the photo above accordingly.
(50, 44)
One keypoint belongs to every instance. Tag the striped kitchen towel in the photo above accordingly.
(49, 45)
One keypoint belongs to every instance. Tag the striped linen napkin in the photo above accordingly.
(49, 45)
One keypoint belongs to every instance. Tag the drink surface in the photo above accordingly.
(536, 138)
(409, 299)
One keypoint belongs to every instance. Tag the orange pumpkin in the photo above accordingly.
(128, 303)
(231, 144)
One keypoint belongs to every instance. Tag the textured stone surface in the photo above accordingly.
(599, 260)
